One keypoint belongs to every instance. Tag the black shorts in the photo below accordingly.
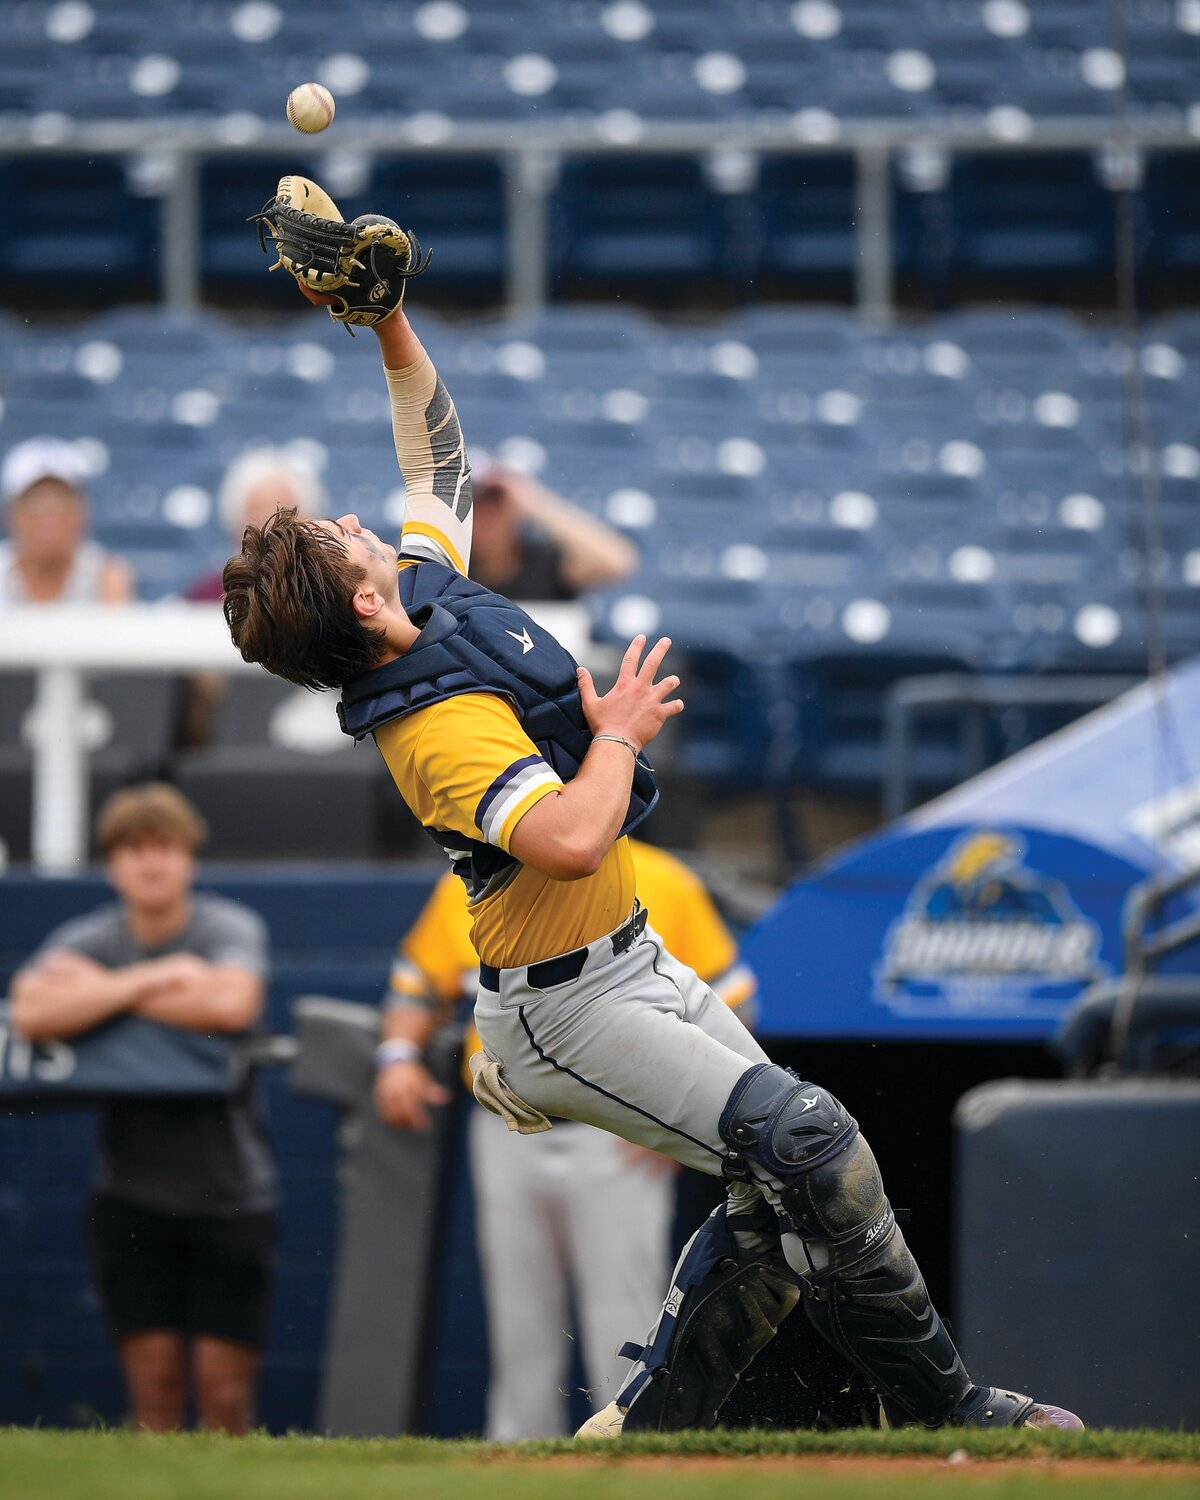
(199, 1275)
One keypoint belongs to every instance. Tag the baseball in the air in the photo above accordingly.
(310, 108)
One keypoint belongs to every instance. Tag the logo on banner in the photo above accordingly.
(982, 922)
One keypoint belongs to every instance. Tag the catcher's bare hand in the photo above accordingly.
(404, 1092)
(635, 707)
(318, 299)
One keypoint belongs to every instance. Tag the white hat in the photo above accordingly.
(41, 458)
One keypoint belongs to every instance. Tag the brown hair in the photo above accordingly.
(153, 811)
(289, 604)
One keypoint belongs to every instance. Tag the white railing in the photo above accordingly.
(60, 644)
(531, 151)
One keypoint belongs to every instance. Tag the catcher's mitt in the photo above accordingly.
(363, 264)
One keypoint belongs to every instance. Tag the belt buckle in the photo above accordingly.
(625, 937)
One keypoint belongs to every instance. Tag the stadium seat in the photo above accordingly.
(1029, 216)
(271, 803)
(456, 204)
(114, 236)
(651, 220)
(230, 189)
(1170, 194)
(807, 217)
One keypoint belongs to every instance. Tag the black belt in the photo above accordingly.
(568, 966)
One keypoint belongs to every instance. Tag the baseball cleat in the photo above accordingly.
(1049, 1417)
(606, 1423)
(988, 1406)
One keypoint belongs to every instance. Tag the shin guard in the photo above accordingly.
(725, 1304)
(863, 1291)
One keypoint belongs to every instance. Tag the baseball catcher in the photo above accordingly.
(361, 266)
(530, 780)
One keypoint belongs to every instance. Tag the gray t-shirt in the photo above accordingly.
(189, 1156)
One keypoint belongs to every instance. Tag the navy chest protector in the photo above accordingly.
(472, 641)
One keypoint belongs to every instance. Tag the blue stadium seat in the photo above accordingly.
(1000, 339)
(1171, 193)
(840, 58)
(798, 332)
(649, 219)
(808, 208)
(1029, 216)
(927, 503)
(114, 234)
(162, 330)
(565, 328)
(456, 205)
(231, 189)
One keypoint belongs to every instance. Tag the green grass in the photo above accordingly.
(46, 1465)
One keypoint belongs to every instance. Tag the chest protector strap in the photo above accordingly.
(474, 641)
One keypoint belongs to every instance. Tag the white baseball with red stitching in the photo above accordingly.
(310, 108)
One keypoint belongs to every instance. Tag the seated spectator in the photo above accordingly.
(181, 1225)
(49, 558)
(530, 543)
(256, 485)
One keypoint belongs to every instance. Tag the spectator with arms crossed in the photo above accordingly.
(181, 1226)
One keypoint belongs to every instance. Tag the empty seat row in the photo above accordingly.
(652, 226)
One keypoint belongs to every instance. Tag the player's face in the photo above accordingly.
(377, 559)
(152, 874)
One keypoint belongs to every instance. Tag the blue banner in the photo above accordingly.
(974, 934)
(984, 915)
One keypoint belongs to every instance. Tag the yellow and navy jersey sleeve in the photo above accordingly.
(466, 766)
(433, 459)
(686, 918)
(435, 960)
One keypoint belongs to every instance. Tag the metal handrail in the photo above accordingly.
(1144, 903)
(912, 696)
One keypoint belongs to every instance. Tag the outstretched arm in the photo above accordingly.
(430, 448)
(429, 444)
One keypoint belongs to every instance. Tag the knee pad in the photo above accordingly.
(863, 1290)
(730, 1292)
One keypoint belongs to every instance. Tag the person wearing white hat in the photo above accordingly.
(49, 558)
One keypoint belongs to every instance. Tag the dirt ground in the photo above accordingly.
(1066, 1469)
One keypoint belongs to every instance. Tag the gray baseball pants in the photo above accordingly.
(637, 1044)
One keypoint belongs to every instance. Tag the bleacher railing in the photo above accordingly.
(62, 643)
(531, 151)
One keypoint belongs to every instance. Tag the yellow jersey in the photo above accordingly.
(436, 958)
(465, 766)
